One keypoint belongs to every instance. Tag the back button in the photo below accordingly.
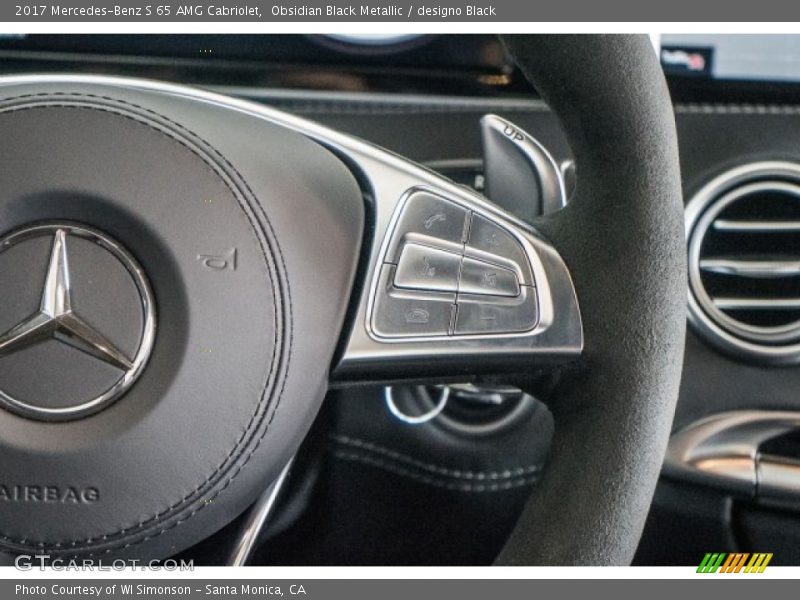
(487, 314)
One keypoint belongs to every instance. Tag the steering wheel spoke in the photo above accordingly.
(454, 284)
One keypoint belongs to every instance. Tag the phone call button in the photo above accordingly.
(426, 215)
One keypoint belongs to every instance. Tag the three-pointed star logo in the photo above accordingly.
(57, 320)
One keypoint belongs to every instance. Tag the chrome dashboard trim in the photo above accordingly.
(723, 451)
(740, 339)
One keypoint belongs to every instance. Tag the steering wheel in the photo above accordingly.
(185, 275)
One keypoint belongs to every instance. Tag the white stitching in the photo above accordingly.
(440, 483)
(233, 186)
(364, 445)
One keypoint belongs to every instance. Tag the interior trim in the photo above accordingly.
(327, 102)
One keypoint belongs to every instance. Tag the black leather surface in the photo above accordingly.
(241, 360)
(622, 239)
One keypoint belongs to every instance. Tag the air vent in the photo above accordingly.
(743, 229)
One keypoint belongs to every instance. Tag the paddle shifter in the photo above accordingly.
(521, 175)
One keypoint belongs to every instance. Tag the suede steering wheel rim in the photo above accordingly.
(623, 241)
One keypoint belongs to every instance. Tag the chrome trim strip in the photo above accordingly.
(757, 303)
(758, 269)
(778, 480)
(757, 226)
(257, 519)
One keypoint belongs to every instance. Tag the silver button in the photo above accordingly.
(479, 277)
(425, 268)
(481, 315)
(406, 313)
(429, 216)
(489, 238)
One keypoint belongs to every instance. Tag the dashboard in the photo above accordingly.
(453, 65)
(732, 68)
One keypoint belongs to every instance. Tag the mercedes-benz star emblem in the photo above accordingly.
(58, 319)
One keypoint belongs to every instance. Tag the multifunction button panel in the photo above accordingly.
(450, 271)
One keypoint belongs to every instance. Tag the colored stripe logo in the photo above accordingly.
(737, 562)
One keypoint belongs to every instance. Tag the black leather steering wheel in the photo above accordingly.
(188, 273)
